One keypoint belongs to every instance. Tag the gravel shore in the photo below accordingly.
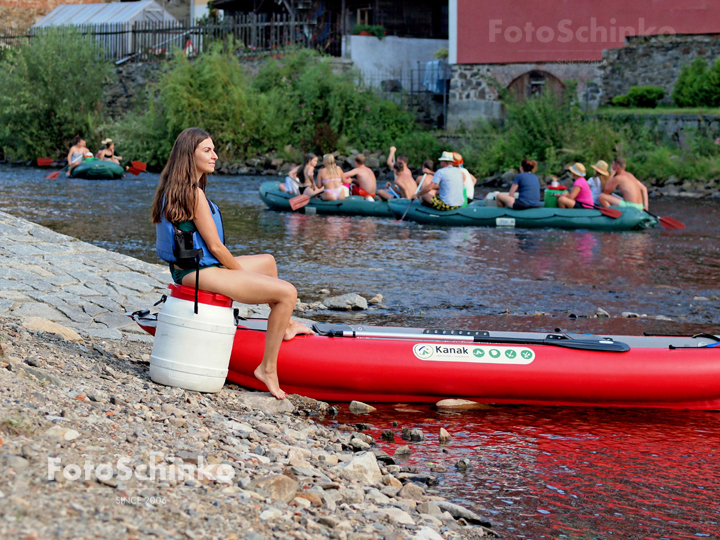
(91, 447)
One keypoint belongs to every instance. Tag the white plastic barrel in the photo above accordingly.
(192, 351)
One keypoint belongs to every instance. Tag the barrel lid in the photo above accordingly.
(557, 188)
(181, 292)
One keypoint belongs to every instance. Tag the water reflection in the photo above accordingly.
(583, 473)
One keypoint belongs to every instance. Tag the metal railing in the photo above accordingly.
(153, 41)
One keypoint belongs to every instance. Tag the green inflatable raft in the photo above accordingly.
(480, 215)
(349, 206)
(97, 170)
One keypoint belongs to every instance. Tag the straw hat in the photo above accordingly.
(457, 159)
(446, 156)
(601, 167)
(578, 169)
(106, 141)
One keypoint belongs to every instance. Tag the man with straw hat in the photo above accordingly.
(447, 183)
(580, 195)
(597, 183)
(634, 193)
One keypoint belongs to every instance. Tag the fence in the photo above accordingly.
(151, 41)
(425, 87)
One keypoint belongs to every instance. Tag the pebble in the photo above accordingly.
(601, 313)
(444, 437)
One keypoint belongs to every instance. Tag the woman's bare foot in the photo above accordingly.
(294, 328)
(270, 380)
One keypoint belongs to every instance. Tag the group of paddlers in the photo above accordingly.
(79, 152)
(452, 186)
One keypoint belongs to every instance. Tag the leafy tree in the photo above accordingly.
(50, 91)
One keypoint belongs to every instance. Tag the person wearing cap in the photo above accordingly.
(469, 180)
(445, 190)
(528, 187)
(580, 195)
(634, 193)
(597, 182)
(108, 152)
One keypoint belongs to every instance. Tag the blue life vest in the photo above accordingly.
(173, 245)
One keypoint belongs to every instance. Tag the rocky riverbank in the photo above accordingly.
(91, 447)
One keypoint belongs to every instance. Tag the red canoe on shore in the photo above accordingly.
(383, 364)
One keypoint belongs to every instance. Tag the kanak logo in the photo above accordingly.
(423, 351)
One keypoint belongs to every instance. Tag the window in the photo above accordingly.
(364, 16)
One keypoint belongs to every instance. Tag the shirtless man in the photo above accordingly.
(391, 158)
(404, 187)
(76, 153)
(364, 182)
(634, 192)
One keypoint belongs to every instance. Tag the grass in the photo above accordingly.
(659, 110)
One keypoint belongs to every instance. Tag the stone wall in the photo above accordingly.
(655, 61)
(472, 97)
(129, 85)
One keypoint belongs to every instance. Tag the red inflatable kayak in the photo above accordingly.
(381, 364)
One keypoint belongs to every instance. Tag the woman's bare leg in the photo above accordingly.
(254, 288)
(265, 264)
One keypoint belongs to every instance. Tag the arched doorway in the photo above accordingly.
(533, 84)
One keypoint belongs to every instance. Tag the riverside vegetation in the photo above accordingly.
(297, 104)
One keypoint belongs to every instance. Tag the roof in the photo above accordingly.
(112, 13)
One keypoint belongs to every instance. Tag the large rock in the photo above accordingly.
(43, 325)
(277, 487)
(461, 404)
(267, 403)
(362, 468)
(372, 162)
(458, 512)
(358, 407)
(346, 302)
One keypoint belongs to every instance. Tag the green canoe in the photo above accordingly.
(490, 216)
(349, 206)
(98, 170)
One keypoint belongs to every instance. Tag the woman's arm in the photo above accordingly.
(574, 192)
(513, 189)
(206, 227)
(320, 178)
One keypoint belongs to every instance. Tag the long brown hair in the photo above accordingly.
(175, 191)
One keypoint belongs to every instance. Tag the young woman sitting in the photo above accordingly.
(180, 203)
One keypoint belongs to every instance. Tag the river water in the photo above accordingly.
(536, 472)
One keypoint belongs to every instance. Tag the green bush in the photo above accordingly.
(298, 100)
(697, 85)
(50, 91)
(640, 96)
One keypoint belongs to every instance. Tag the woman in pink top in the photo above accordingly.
(580, 195)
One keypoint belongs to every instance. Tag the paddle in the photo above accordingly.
(44, 161)
(411, 200)
(609, 212)
(668, 222)
(301, 200)
(139, 165)
(591, 343)
(54, 175)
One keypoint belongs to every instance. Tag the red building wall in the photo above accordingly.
(512, 31)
